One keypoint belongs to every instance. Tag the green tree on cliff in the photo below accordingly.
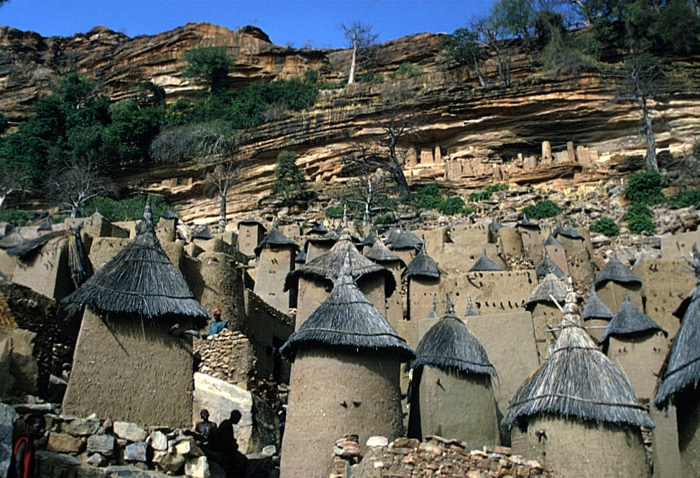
(208, 66)
(290, 182)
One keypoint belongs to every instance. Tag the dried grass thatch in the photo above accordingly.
(45, 226)
(567, 231)
(682, 368)
(405, 240)
(168, 214)
(300, 258)
(616, 271)
(471, 311)
(422, 266)
(595, 308)
(528, 224)
(141, 280)
(276, 238)
(577, 380)
(630, 321)
(550, 287)
(370, 240)
(546, 266)
(203, 234)
(484, 264)
(327, 240)
(347, 320)
(328, 265)
(391, 236)
(380, 253)
(318, 230)
(13, 239)
(78, 261)
(433, 314)
(494, 225)
(552, 241)
(449, 344)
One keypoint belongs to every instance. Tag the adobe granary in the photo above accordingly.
(126, 364)
(614, 281)
(345, 378)
(313, 279)
(276, 253)
(406, 245)
(638, 345)
(545, 312)
(250, 233)
(451, 392)
(381, 254)
(596, 315)
(578, 405)
(681, 375)
(316, 246)
(423, 277)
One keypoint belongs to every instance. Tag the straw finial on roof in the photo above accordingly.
(346, 319)
(449, 344)
(683, 364)
(616, 271)
(471, 311)
(630, 321)
(595, 308)
(577, 380)
(485, 264)
(433, 309)
(147, 213)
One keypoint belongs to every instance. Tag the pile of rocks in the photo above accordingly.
(409, 458)
(228, 356)
(103, 443)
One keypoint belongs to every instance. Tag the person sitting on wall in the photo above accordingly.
(205, 428)
(22, 464)
(236, 462)
(217, 325)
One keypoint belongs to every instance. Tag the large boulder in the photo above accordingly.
(23, 364)
(258, 426)
(8, 416)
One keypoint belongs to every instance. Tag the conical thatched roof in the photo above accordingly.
(528, 224)
(391, 236)
(168, 214)
(78, 261)
(204, 234)
(494, 225)
(300, 258)
(318, 230)
(484, 264)
(422, 266)
(682, 369)
(276, 238)
(406, 240)
(46, 225)
(328, 239)
(13, 239)
(347, 320)
(370, 240)
(552, 241)
(449, 344)
(380, 253)
(471, 311)
(595, 308)
(251, 222)
(546, 266)
(577, 380)
(433, 314)
(545, 290)
(327, 265)
(139, 279)
(616, 271)
(567, 231)
(630, 321)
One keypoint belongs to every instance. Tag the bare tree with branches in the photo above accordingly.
(490, 34)
(11, 180)
(74, 185)
(360, 38)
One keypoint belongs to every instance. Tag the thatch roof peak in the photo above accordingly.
(471, 311)
(683, 364)
(346, 320)
(567, 231)
(449, 344)
(140, 280)
(380, 253)
(547, 265)
(300, 258)
(433, 314)
(528, 224)
(203, 234)
(328, 264)
(630, 321)
(577, 380)
(595, 308)
(275, 237)
(168, 214)
(13, 239)
(494, 225)
(318, 229)
(406, 240)
(422, 266)
(46, 225)
(370, 239)
(391, 236)
(550, 288)
(484, 264)
(552, 241)
(616, 271)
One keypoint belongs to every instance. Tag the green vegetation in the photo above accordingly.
(429, 197)
(409, 70)
(334, 212)
(387, 218)
(208, 66)
(128, 209)
(688, 198)
(639, 219)
(542, 210)
(369, 77)
(290, 182)
(645, 188)
(488, 191)
(16, 217)
(605, 226)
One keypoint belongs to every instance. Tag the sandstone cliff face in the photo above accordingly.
(466, 135)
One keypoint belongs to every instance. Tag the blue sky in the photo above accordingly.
(284, 21)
